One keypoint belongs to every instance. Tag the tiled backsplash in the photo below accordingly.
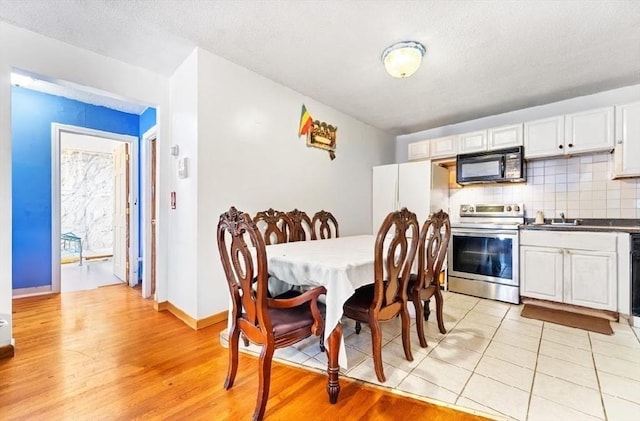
(578, 186)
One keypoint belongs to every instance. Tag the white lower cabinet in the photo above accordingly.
(580, 268)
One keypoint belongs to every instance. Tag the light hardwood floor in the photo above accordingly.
(105, 354)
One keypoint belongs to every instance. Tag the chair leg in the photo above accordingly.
(439, 301)
(245, 340)
(406, 332)
(322, 348)
(233, 357)
(427, 310)
(419, 322)
(376, 345)
(265, 379)
(358, 328)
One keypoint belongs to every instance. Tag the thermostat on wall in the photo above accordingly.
(182, 168)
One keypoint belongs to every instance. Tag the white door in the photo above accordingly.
(384, 193)
(414, 188)
(590, 279)
(589, 131)
(627, 151)
(504, 137)
(121, 212)
(472, 142)
(544, 137)
(542, 273)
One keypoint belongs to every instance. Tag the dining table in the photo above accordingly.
(341, 265)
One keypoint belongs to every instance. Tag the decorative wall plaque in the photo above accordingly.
(319, 134)
(323, 136)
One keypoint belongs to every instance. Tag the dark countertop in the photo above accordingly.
(591, 225)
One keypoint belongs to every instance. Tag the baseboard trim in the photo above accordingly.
(603, 314)
(188, 320)
(7, 351)
(212, 320)
(161, 306)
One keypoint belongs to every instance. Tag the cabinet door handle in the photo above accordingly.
(620, 142)
(570, 145)
(560, 146)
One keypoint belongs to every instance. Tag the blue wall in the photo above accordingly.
(31, 116)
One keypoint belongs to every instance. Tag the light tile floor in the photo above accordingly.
(494, 361)
(92, 274)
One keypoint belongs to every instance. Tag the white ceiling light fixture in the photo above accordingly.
(403, 59)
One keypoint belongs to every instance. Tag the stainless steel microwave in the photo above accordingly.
(500, 166)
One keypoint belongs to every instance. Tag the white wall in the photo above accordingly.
(250, 156)
(44, 56)
(601, 99)
(183, 221)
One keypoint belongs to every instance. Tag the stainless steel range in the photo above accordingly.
(483, 251)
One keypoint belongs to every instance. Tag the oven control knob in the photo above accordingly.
(516, 208)
(508, 208)
(463, 209)
(471, 209)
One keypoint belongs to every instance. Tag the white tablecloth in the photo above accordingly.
(339, 264)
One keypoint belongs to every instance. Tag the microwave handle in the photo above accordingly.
(502, 165)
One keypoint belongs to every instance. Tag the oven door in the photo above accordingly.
(485, 255)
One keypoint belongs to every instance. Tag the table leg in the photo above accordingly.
(333, 367)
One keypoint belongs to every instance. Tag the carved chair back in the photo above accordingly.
(324, 226)
(302, 228)
(275, 226)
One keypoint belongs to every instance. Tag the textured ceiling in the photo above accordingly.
(483, 57)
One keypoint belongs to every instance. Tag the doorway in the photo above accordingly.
(149, 212)
(98, 223)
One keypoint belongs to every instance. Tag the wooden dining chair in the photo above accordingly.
(394, 252)
(270, 323)
(324, 226)
(302, 228)
(434, 240)
(275, 226)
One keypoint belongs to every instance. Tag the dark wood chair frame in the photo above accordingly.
(300, 220)
(394, 253)
(321, 225)
(278, 226)
(271, 323)
(434, 240)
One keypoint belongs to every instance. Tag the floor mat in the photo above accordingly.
(566, 318)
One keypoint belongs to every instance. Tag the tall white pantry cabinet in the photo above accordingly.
(420, 186)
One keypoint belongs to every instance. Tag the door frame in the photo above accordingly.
(146, 225)
(57, 130)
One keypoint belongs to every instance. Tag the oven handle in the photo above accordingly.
(484, 232)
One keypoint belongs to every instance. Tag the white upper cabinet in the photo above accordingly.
(627, 141)
(544, 137)
(491, 139)
(418, 150)
(504, 137)
(589, 131)
(443, 147)
(472, 142)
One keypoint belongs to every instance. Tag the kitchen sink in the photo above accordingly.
(565, 223)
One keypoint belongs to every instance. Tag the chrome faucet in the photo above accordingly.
(562, 217)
